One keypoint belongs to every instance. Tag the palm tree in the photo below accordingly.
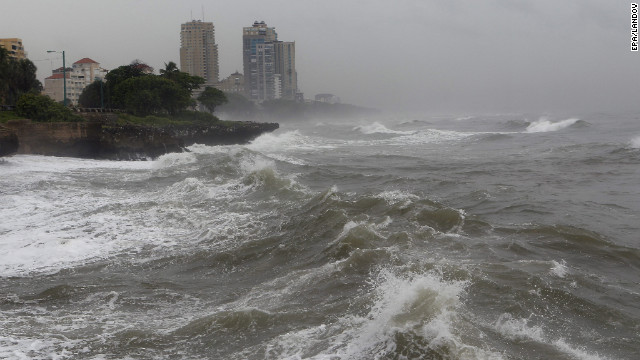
(169, 69)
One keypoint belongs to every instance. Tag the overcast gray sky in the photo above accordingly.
(432, 55)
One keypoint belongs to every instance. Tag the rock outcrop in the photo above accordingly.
(8, 141)
(108, 140)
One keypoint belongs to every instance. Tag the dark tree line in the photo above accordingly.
(17, 77)
(130, 88)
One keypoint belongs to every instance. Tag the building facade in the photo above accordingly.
(79, 76)
(285, 66)
(233, 84)
(257, 58)
(198, 51)
(269, 64)
(15, 48)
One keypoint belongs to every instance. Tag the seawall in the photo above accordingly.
(8, 141)
(104, 139)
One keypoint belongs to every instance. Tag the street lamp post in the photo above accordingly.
(64, 74)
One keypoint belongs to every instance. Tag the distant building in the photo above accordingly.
(269, 64)
(198, 51)
(257, 56)
(327, 98)
(285, 63)
(15, 48)
(84, 72)
(232, 84)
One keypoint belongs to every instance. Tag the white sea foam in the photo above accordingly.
(429, 136)
(518, 329)
(521, 329)
(559, 269)
(423, 304)
(545, 125)
(394, 197)
(17, 348)
(286, 141)
(60, 222)
(174, 159)
(377, 128)
(635, 142)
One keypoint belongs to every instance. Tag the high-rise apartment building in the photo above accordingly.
(198, 51)
(269, 64)
(15, 48)
(285, 66)
(258, 61)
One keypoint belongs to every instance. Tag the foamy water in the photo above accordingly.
(424, 237)
(545, 125)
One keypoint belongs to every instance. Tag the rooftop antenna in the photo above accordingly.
(202, 13)
(191, 14)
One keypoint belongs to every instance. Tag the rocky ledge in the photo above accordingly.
(107, 140)
(8, 141)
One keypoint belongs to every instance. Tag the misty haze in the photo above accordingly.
(319, 180)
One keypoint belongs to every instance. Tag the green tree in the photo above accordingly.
(117, 76)
(185, 80)
(212, 97)
(151, 94)
(130, 88)
(17, 77)
(92, 95)
(169, 69)
(42, 108)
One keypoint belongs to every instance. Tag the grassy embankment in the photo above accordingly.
(8, 115)
(185, 118)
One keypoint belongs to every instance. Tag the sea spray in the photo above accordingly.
(546, 125)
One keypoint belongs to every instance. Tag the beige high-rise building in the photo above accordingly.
(198, 50)
(15, 48)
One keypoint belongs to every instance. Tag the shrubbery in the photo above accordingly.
(42, 108)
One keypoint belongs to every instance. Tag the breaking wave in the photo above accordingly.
(377, 128)
(545, 125)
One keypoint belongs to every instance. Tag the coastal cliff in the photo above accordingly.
(109, 140)
(8, 141)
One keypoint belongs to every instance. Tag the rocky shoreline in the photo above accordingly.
(102, 139)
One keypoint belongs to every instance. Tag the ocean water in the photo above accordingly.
(505, 236)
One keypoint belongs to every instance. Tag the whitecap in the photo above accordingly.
(559, 269)
(377, 128)
(545, 125)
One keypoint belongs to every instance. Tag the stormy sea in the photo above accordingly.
(505, 236)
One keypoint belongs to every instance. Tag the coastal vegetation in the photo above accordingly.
(212, 97)
(42, 108)
(132, 89)
(17, 77)
(139, 96)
